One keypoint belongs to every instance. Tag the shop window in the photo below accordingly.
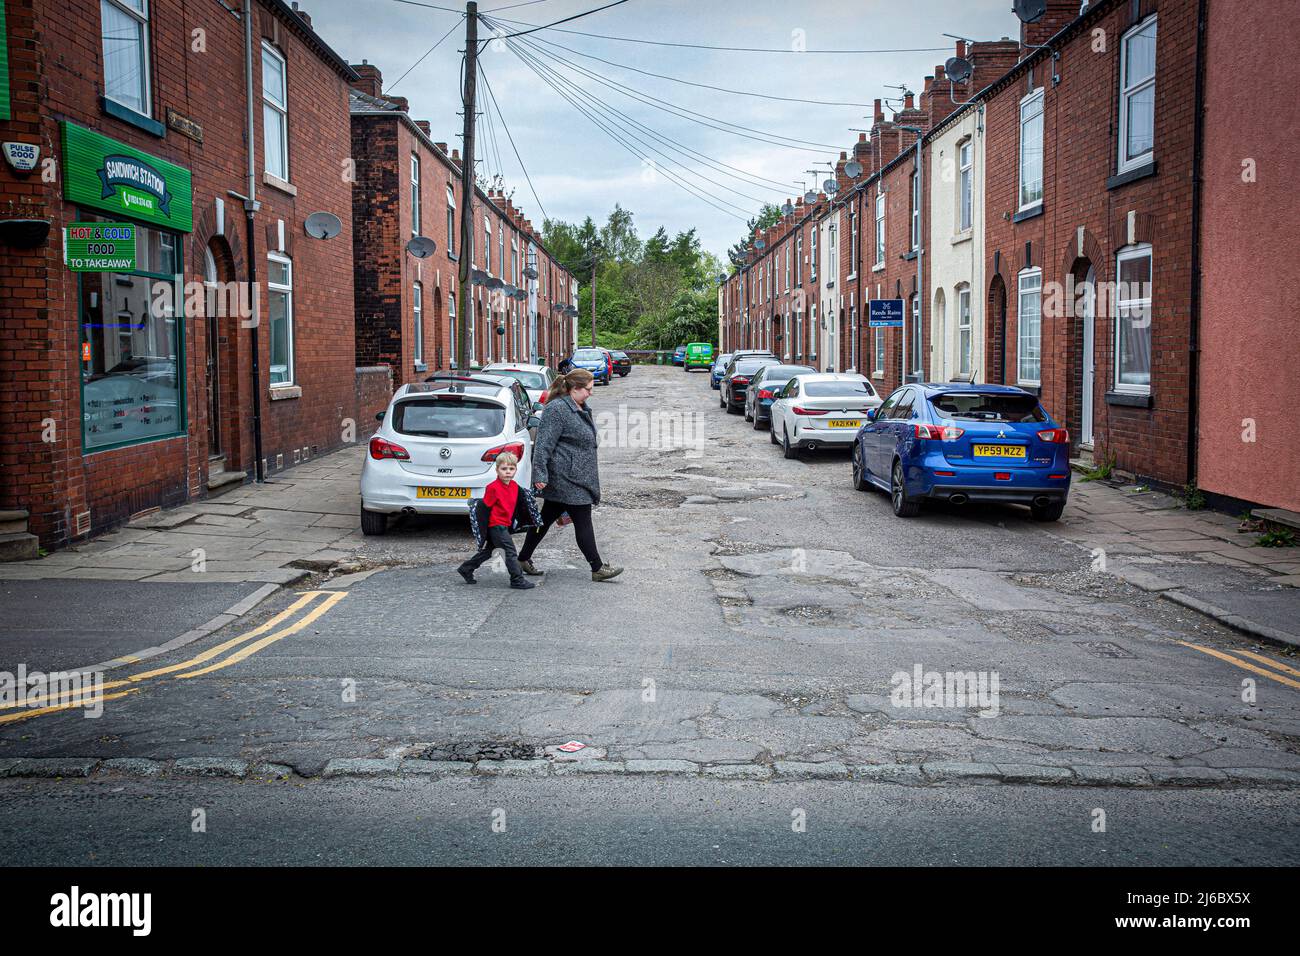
(279, 298)
(131, 346)
(125, 25)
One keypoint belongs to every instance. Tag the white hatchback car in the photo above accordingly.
(438, 443)
(827, 408)
(536, 379)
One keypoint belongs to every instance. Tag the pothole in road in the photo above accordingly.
(646, 499)
(809, 613)
(470, 751)
(725, 548)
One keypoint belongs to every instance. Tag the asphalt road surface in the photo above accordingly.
(764, 615)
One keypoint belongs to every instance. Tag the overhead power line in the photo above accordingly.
(454, 27)
(576, 16)
(506, 127)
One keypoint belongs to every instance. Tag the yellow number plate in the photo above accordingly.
(843, 423)
(442, 492)
(1000, 451)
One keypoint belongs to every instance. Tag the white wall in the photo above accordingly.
(956, 256)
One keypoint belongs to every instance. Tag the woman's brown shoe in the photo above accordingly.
(606, 572)
(527, 568)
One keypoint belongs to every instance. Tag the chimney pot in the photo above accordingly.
(369, 79)
(880, 113)
(907, 102)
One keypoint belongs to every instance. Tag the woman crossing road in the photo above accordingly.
(565, 471)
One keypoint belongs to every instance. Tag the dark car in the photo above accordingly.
(622, 363)
(594, 360)
(679, 355)
(767, 381)
(719, 366)
(960, 443)
(735, 380)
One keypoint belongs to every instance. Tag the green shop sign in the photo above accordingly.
(105, 174)
(4, 66)
(100, 246)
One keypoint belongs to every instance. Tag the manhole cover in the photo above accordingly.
(1106, 649)
(470, 751)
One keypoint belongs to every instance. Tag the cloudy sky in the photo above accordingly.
(578, 169)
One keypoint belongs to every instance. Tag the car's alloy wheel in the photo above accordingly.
(859, 472)
(904, 506)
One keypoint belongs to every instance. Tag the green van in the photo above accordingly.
(698, 355)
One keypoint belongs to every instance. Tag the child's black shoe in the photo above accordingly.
(522, 585)
(467, 574)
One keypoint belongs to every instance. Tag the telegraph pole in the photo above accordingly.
(467, 187)
(593, 301)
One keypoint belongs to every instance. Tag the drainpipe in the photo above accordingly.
(250, 208)
(1194, 331)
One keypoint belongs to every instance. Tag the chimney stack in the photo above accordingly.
(880, 113)
(302, 14)
(442, 148)
(424, 127)
(370, 81)
(1059, 14)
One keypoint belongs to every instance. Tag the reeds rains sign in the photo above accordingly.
(103, 173)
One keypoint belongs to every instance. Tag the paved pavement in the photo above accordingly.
(755, 642)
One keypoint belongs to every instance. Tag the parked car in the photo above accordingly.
(536, 379)
(597, 361)
(679, 355)
(735, 380)
(962, 443)
(717, 368)
(821, 409)
(767, 381)
(437, 444)
(698, 355)
(622, 363)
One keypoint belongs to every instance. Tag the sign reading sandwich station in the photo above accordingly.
(102, 173)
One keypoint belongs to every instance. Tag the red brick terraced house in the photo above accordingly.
(407, 185)
(121, 391)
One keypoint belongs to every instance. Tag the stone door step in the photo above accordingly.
(219, 481)
(18, 546)
(1278, 516)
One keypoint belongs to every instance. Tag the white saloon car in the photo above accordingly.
(536, 379)
(825, 408)
(438, 443)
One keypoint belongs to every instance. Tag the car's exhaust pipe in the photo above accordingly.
(812, 446)
(958, 498)
(1042, 501)
(408, 511)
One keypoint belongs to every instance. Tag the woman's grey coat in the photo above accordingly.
(564, 456)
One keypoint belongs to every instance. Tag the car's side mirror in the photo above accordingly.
(379, 416)
(534, 422)
(871, 414)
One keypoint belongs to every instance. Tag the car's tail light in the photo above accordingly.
(766, 393)
(1002, 475)
(809, 411)
(946, 474)
(737, 380)
(381, 448)
(1058, 436)
(939, 432)
(1058, 476)
(515, 448)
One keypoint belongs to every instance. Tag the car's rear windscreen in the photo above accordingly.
(588, 355)
(449, 417)
(783, 373)
(525, 378)
(749, 367)
(849, 389)
(989, 407)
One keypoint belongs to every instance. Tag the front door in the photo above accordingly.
(213, 365)
(1088, 379)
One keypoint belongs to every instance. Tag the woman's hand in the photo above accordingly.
(539, 485)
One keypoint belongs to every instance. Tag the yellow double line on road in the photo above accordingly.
(192, 667)
(1246, 665)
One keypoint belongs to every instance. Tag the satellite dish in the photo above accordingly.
(494, 283)
(760, 244)
(501, 330)
(852, 169)
(1029, 11)
(830, 187)
(530, 273)
(478, 277)
(810, 197)
(958, 69)
(722, 278)
(322, 225)
(787, 209)
(421, 247)
(509, 290)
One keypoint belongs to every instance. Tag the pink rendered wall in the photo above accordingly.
(1250, 309)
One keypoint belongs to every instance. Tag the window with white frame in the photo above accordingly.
(879, 350)
(917, 360)
(279, 305)
(501, 250)
(798, 258)
(787, 267)
(1031, 150)
(1133, 320)
(415, 195)
(832, 252)
(880, 230)
(1137, 95)
(965, 166)
(916, 211)
(812, 327)
(125, 26)
(812, 260)
(1029, 313)
(853, 241)
(417, 322)
(451, 322)
(965, 341)
(514, 259)
(487, 245)
(451, 221)
(275, 113)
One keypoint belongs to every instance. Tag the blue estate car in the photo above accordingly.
(719, 366)
(962, 442)
(679, 355)
(595, 361)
